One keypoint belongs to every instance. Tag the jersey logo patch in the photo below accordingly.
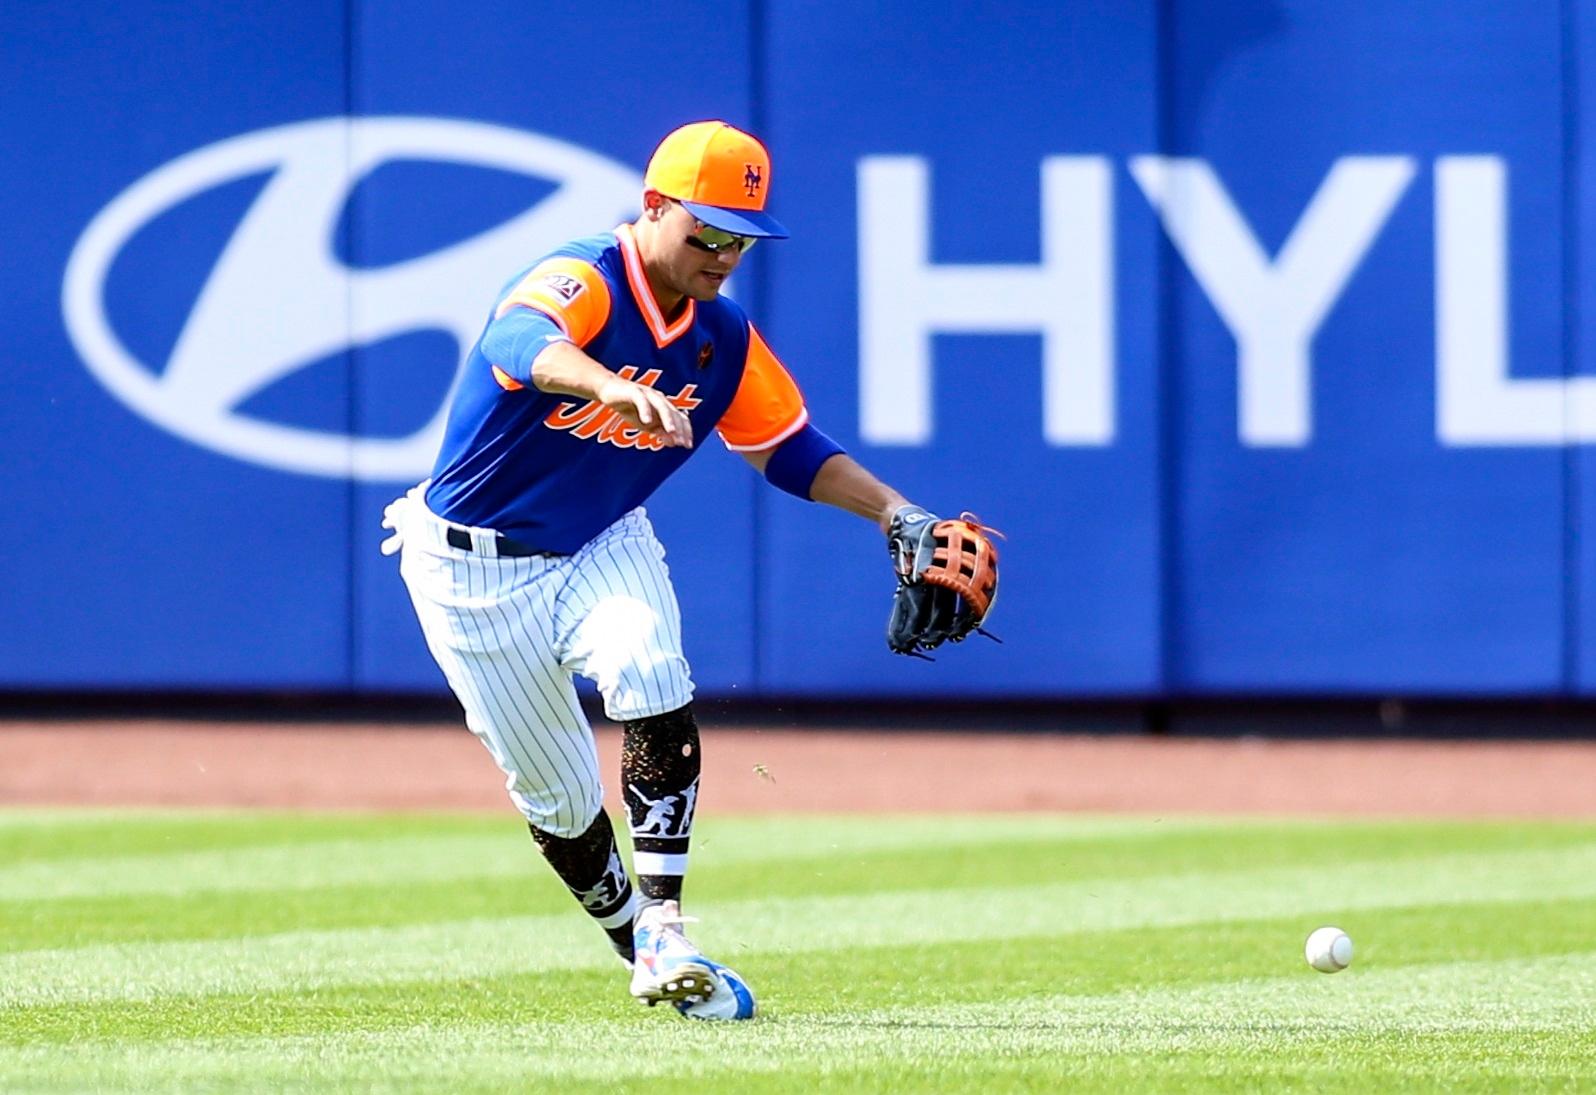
(564, 286)
(593, 421)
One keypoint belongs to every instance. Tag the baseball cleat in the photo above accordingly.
(732, 1000)
(668, 967)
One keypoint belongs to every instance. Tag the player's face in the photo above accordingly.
(700, 258)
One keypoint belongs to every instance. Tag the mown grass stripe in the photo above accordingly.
(350, 890)
(311, 859)
(114, 835)
(51, 817)
(509, 852)
(273, 867)
(1301, 1025)
(487, 947)
(821, 980)
(1547, 993)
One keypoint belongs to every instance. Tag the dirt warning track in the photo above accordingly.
(369, 766)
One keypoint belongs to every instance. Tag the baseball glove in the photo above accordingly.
(947, 579)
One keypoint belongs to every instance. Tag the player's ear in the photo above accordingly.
(654, 204)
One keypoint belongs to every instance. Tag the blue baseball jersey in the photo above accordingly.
(553, 471)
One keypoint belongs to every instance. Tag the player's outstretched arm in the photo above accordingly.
(843, 482)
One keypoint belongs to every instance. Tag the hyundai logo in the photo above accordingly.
(277, 299)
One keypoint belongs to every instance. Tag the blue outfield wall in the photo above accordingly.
(1262, 329)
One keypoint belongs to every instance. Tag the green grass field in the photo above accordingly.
(272, 952)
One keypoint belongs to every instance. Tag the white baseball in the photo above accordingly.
(1329, 950)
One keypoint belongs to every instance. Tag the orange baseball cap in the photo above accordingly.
(720, 175)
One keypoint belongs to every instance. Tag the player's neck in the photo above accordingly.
(669, 300)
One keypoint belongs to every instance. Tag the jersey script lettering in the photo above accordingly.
(592, 420)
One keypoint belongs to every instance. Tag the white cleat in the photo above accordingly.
(668, 967)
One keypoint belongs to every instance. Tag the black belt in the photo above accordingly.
(503, 545)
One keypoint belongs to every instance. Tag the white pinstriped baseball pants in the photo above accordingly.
(510, 634)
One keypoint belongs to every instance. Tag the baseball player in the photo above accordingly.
(529, 558)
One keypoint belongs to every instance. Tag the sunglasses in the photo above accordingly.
(713, 240)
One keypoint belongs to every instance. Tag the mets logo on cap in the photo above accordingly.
(720, 174)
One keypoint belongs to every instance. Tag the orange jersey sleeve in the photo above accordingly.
(569, 291)
(768, 408)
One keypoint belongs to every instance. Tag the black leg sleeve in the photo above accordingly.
(660, 765)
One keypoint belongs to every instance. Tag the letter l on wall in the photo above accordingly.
(1476, 401)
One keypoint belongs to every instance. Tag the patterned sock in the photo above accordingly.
(660, 764)
(591, 868)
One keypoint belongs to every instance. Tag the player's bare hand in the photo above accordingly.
(647, 410)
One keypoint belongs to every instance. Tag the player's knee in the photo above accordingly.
(639, 683)
(559, 812)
